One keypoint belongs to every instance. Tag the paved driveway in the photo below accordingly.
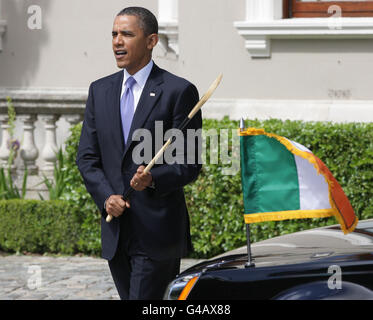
(37, 277)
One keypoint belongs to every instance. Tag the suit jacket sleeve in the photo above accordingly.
(169, 177)
(89, 159)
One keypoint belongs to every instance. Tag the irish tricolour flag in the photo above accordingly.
(282, 179)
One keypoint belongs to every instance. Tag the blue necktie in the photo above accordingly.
(127, 108)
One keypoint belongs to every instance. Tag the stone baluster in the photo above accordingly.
(73, 119)
(29, 152)
(49, 152)
(4, 149)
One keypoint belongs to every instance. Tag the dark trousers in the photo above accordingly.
(136, 276)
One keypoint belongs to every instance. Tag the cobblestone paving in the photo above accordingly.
(58, 278)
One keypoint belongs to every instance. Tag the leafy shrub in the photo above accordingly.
(75, 192)
(39, 226)
(214, 199)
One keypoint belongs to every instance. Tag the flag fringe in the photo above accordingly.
(285, 215)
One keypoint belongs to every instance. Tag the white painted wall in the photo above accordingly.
(73, 48)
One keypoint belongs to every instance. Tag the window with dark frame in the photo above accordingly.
(325, 8)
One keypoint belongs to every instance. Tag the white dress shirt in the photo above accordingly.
(141, 77)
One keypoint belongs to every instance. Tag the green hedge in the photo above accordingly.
(39, 226)
(214, 199)
(53, 226)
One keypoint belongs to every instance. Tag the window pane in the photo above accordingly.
(334, 1)
(327, 8)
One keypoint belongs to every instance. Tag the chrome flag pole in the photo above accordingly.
(249, 262)
(182, 126)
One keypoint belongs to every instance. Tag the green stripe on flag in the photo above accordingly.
(269, 175)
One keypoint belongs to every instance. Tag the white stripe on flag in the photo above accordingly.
(313, 188)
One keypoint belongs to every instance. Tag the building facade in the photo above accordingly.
(286, 59)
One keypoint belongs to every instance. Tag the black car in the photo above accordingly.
(320, 263)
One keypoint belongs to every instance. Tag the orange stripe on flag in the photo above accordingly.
(346, 215)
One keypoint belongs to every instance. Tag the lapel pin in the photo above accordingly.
(152, 94)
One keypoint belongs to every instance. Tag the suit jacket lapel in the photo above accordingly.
(113, 105)
(150, 95)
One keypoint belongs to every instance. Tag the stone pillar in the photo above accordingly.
(263, 10)
(168, 10)
(168, 16)
(49, 152)
(4, 149)
(29, 152)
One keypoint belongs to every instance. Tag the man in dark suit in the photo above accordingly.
(150, 232)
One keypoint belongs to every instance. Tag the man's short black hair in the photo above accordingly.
(148, 22)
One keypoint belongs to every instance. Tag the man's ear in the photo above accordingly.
(152, 41)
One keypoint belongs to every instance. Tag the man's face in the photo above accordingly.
(132, 49)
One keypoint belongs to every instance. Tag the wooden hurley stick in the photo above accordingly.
(182, 126)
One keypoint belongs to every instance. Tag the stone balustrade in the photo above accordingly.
(43, 120)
